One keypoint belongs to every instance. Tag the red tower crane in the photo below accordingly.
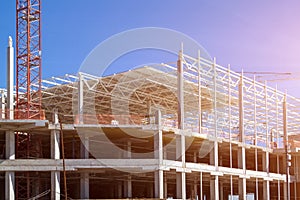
(28, 59)
(28, 88)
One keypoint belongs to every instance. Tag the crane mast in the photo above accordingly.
(28, 59)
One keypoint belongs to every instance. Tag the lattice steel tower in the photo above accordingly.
(28, 60)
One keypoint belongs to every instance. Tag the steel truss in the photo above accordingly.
(138, 92)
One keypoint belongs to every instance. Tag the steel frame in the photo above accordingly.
(157, 85)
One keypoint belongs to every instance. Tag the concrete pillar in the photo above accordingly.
(55, 175)
(159, 184)
(214, 181)
(242, 188)
(178, 185)
(128, 187)
(266, 183)
(165, 187)
(84, 185)
(128, 153)
(10, 145)
(180, 176)
(119, 194)
(55, 185)
(158, 154)
(221, 190)
(9, 185)
(84, 179)
(9, 175)
(214, 187)
(201, 186)
(195, 188)
(2, 101)
(242, 165)
(285, 191)
(10, 79)
(55, 154)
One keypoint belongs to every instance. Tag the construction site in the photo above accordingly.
(189, 130)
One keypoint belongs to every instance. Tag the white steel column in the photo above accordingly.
(10, 135)
(55, 154)
(199, 95)
(241, 150)
(230, 127)
(277, 142)
(158, 152)
(80, 98)
(266, 183)
(286, 147)
(180, 139)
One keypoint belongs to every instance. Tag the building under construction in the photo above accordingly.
(190, 130)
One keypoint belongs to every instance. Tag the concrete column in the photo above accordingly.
(201, 186)
(195, 188)
(242, 188)
(10, 145)
(10, 79)
(128, 153)
(55, 175)
(266, 183)
(2, 101)
(214, 181)
(119, 194)
(55, 154)
(129, 187)
(9, 175)
(9, 185)
(158, 154)
(180, 176)
(84, 179)
(55, 142)
(242, 165)
(178, 185)
(221, 190)
(159, 184)
(55, 185)
(214, 187)
(165, 186)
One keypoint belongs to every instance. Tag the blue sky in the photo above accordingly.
(253, 35)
